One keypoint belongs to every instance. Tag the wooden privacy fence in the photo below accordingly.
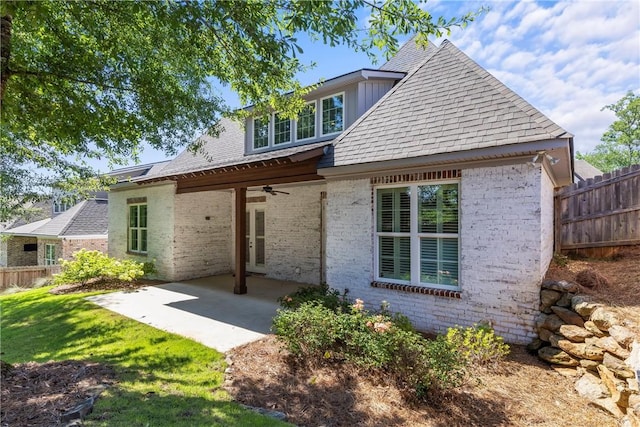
(600, 212)
(25, 276)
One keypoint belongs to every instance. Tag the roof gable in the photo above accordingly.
(409, 56)
(446, 104)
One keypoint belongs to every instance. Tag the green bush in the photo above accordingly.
(369, 341)
(477, 344)
(327, 297)
(94, 265)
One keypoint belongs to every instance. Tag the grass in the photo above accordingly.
(162, 379)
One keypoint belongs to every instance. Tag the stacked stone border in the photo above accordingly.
(578, 333)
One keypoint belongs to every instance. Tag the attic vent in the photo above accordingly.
(31, 247)
(417, 176)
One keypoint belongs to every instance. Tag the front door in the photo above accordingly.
(255, 238)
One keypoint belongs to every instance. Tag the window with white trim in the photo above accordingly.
(50, 254)
(333, 114)
(417, 234)
(281, 129)
(60, 206)
(306, 122)
(260, 132)
(137, 230)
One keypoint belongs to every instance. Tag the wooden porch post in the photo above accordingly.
(240, 285)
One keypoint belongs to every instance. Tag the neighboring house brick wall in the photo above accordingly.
(15, 254)
(70, 246)
(160, 221)
(293, 234)
(202, 246)
(500, 261)
(41, 250)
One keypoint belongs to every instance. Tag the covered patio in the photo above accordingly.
(205, 310)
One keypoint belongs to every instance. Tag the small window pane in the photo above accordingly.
(281, 130)
(143, 240)
(133, 236)
(439, 261)
(133, 216)
(394, 210)
(395, 257)
(143, 215)
(438, 208)
(306, 122)
(260, 133)
(332, 114)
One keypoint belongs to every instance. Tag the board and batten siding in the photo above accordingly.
(505, 235)
(370, 92)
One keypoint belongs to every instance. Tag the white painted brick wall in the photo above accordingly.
(501, 250)
(202, 247)
(293, 234)
(160, 220)
(546, 235)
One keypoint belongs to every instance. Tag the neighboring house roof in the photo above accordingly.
(130, 172)
(583, 170)
(87, 218)
(447, 104)
(35, 212)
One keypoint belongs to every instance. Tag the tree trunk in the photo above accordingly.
(5, 53)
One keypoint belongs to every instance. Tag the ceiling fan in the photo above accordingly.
(269, 189)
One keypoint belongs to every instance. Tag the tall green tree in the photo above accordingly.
(96, 79)
(620, 145)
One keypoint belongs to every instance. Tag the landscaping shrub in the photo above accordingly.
(477, 344)
(94, 265)
(327, 297)
(369, 341)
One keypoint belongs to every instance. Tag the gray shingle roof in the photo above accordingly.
(409, 56)
(225, 150)
(447, 104)
(87, 218)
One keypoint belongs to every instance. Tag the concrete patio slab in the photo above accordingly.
(205, 310)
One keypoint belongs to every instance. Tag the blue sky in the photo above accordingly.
(567, 58)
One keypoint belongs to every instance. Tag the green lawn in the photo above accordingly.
(162, 379)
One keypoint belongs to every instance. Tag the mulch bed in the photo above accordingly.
(37, 394)
(115, 285)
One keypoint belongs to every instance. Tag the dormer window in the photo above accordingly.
(281, 129)
(333, 114)
(61, 206)
(260, 133)
(306, 122)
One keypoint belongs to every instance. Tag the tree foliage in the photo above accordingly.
(97, 79)
(620, 145)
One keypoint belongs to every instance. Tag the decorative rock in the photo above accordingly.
(612, 346)
(552, 323)
(554, 339)
(565, 300)
(566, 372)
(79, 411)
(548, 298)
(617, 366)
(273, 414)
(582, 350)
(544, 334)
(591, 327)
(590, 387)
(633, 385)
(560, 285)
(634, 403)
(629, 420)
(603, 318)
(535, 345)
(574, 333)
(618, 390)
(622, 335)
(608, 405)
(557, 356)
(590, 365)
(583, 305)
(568, 316)
(634, 359)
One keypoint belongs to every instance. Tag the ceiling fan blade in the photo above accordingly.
(278, 191)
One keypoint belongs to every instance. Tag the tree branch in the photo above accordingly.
(65, 77)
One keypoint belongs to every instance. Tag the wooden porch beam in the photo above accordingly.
(250, 183)
(240, 283)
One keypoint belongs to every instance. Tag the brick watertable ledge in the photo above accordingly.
(418, 289)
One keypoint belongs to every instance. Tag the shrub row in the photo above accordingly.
(89, 265)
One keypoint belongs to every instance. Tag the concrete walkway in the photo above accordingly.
(205, 310)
